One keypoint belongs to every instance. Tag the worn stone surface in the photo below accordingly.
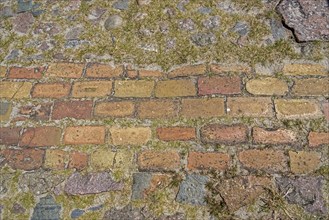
(47, 208)
(78, 184)
(127, 212)
(192, 190)
(141, 182)
(308, 19)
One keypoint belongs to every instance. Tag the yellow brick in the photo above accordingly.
(267, 86)
(175, 88)
(92, 89)
(133, 88)
(15, 90)
(305, 69)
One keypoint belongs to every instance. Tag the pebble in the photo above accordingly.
(112, 22)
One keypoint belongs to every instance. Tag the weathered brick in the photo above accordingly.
(157, 109)
(175, 88)
(311, 87)
(304, 69)
(158, 160)
(325, 107)
(26, 73)
(219, 85)
(15, 90)
(188, 71)
(207, 160)
(176, 133)
(279, 136)
(96, 70)
(130, 136)
(5, 110)
(55, 159)
(216, 133)
(9, 136)
(72, 109)
(3, 71)
(65, 70)
(302, 162)
(36, 111)
(250, 107)
(150, 73)
(124, 160)
(297, 108)
(132, 74)
(203, 108)
(115, 109)
(214, 68)
(51, 90)
(92, 89)
(102, 159)
(41, 137)
(78, 160)
(84, 135)
(24, 159)
(133, 88)
(271, 160)
(316, 139)
(267, 86)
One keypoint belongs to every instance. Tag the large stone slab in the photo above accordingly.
(47, 208)
(309, 19)
(193, 190)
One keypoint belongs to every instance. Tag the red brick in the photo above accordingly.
(279, 136)
(25, 159)
(207, 160)
(269, 160)
(250, 107)
(51, 90)
(325, 107)
(96, 70)
(38, 111)
(65, 70)
(219, 85)
(216, 133)
(41, 137)
(202, 108)
(115, 109)
(72, 109)
(158, 160)
(316, 139)
(157, 109)
(78, 160)
(9, 136)
(188, 71)
(26, 73)
(55, 159)
(176, 134)
(84, 135)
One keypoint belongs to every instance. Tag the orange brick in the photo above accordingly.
(303, 162)
(15, 90)
(65, 70)
(51, 90)
(296, 69)
(188, 71)
(24, 159)
(41, 137)
(218, 69)
(176, 134)
(267, 86)
(150, 73)
(115, 109)
(316, 139)
(92, 89)
(175, 88)
(55, 159)
(78, 160)
(158, 160)
(26, 73)
(216, 133)
(72, 109)
(133, 88)
(297, 108)
(250, 107)
(84, 135)
(269, 160)
(279, 136)
(95, 70)
(130, 136)
(206, 161)
(219, 85)
(203, 108)
(157, 109)
(311, 87)
(325, 107)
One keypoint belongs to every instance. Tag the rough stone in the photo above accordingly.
(5, 183)
(241, 28)
(192, 190)
(212, 22)
(23, 22)
(203, 39)
(278, 30)
(186, 24)
(6, 12)
(304, 191)
(141, 182)
(128, 212)
(121, 4)
(112, 22)
(5, 110)
(47, 208)
(78, 184)
(76, 213)
(18, 209)
(308, 19)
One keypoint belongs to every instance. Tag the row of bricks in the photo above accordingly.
(165, 109)
(76, 70)
(219, 85)
(212, 133)
(150, 160)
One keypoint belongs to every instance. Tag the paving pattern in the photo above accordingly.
(165, 110)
